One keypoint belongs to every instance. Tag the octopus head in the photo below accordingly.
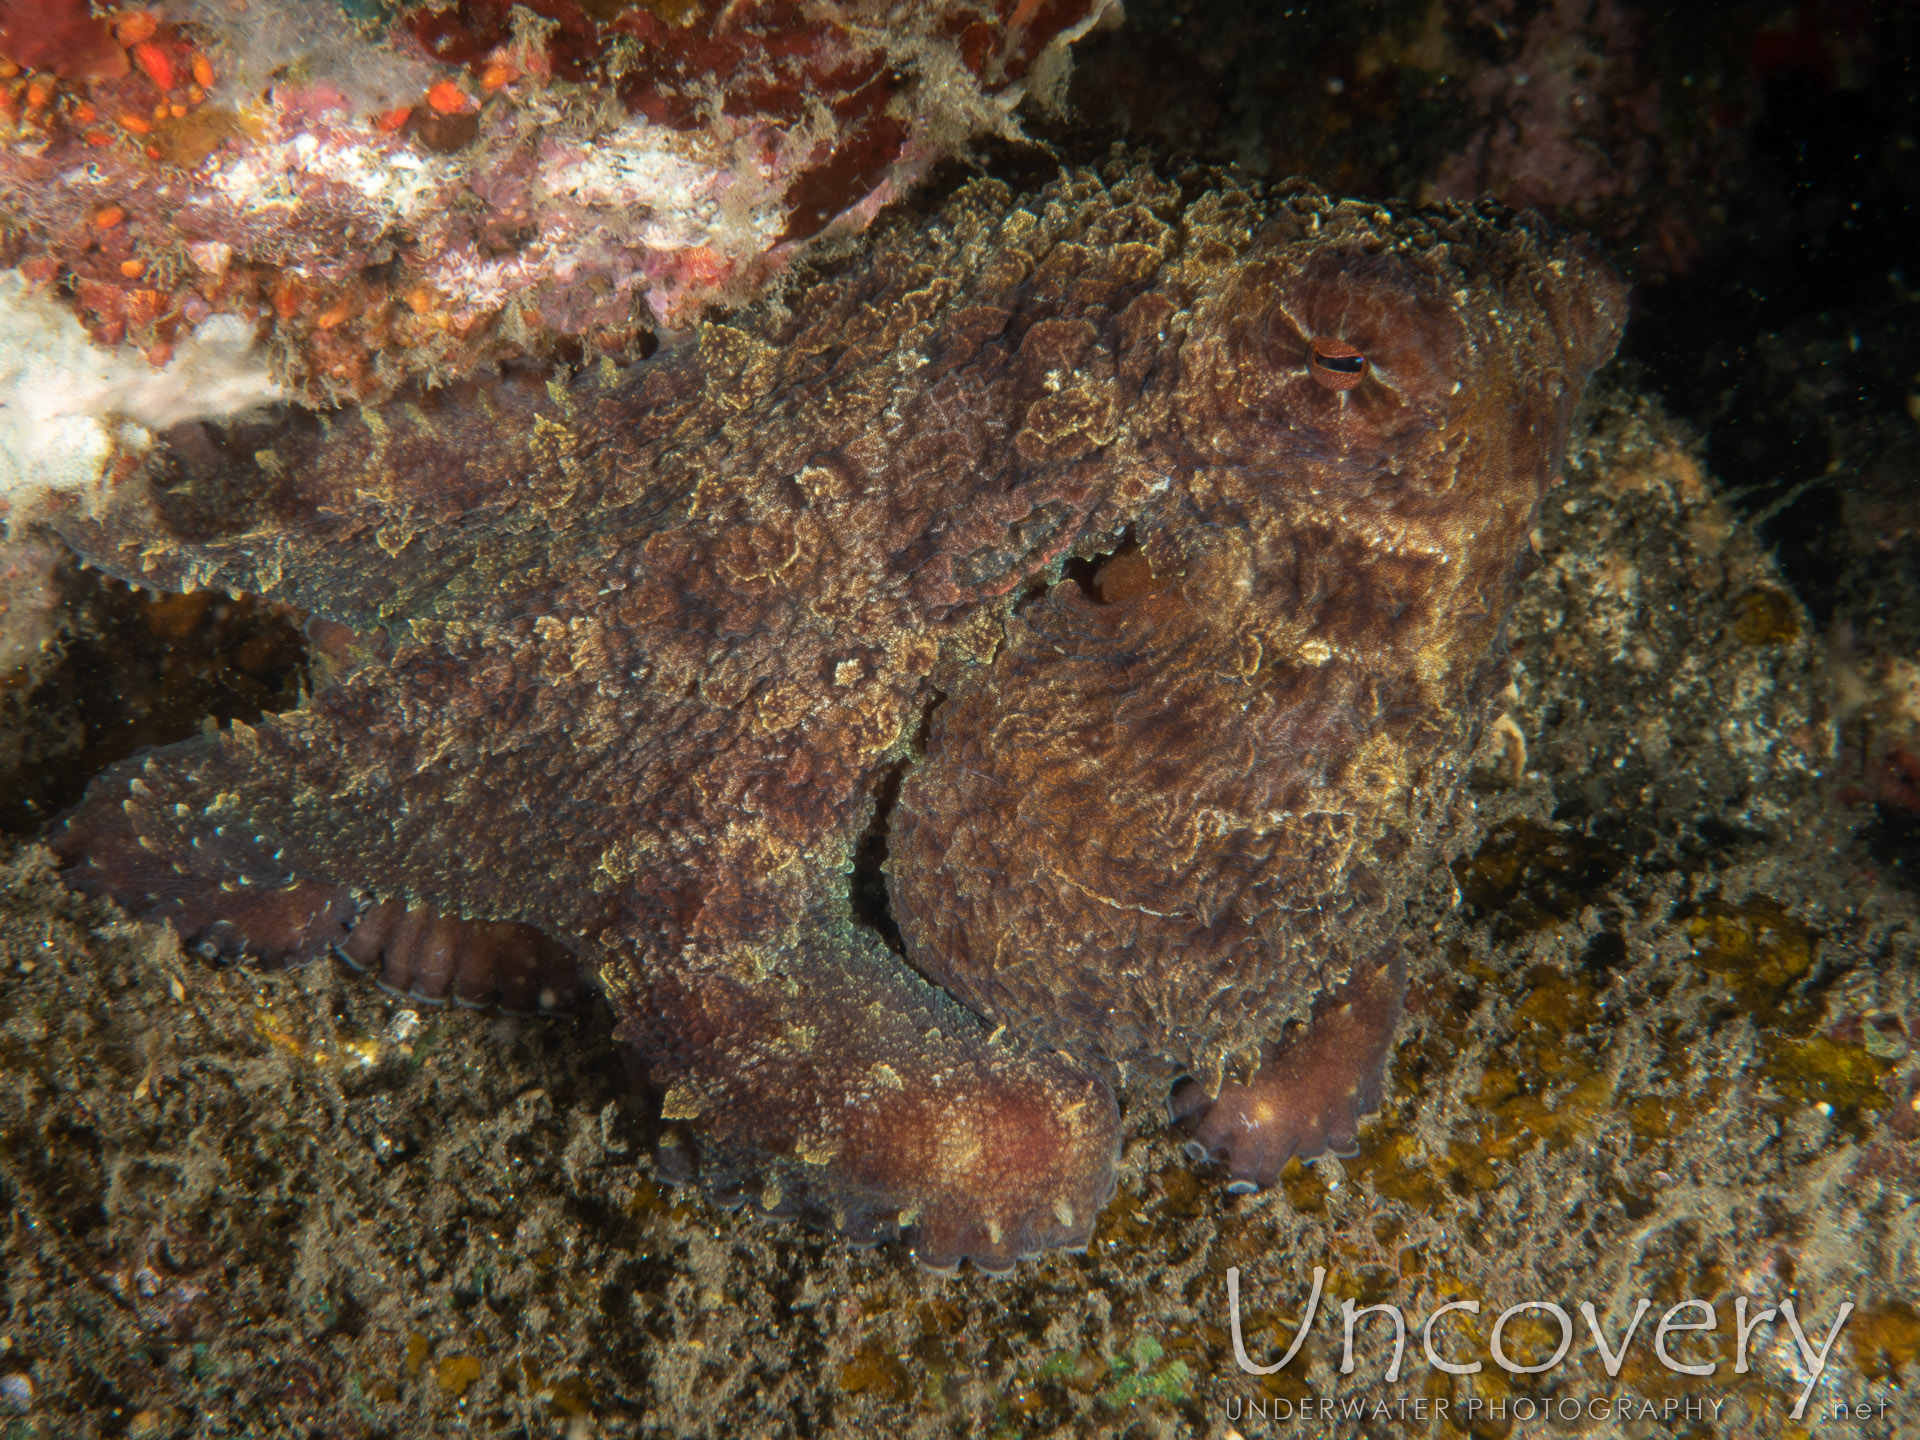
(1333, 353)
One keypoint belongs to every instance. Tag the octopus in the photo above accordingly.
(1027, 666)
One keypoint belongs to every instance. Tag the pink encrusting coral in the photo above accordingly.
(480, 182)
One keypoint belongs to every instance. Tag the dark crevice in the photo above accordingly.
(133, 670)
(923, 732)
(1036, 590)
(1115, 575)
(1084, 573)
(867, 895)
(871, 905)
(1892, 837)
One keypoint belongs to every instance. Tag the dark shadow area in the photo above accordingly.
(136, 669)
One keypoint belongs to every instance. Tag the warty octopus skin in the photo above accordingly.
(1127, 565)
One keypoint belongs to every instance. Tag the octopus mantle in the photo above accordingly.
(1124, 573)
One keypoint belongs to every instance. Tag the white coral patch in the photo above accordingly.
(67, 404)
(635, 168)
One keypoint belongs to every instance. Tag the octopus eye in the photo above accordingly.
(1336, 364)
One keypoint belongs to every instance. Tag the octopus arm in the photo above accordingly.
(422, 510)
(1312, 1088)
(824, 1078)
(308, 834)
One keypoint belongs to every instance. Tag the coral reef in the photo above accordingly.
(482, 181)
(71, 411)
(209, 203)
(710, 602)
(64, 399)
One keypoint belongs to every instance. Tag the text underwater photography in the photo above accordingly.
(1570, 1409)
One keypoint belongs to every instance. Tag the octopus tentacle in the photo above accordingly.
(1312, 1087)
(477, 964)
(369, 517)
(141, 838)
(248, 873)
(854, 1091)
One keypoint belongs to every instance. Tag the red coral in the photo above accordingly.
(766, 60)
(790, 121)
(61, 36)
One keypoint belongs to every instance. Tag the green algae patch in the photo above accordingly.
(1139, 1375)
(1143, 1371)
(1075, 1369)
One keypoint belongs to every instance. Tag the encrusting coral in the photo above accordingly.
(221, 201)
(458, 185)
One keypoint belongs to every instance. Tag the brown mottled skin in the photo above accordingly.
(620, 670)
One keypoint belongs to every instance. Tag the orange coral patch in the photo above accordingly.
(448, 98)
(156, 62)
(136, 26)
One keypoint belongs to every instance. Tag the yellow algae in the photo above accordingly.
(875, 1370)
(1886, 1341)
(1755, 948)
(1393, 1162)
(1656, 1117)
(1818, 1071)
(418, 1349)
(456, 1374)
(1767, 617)
(1306, 1187)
